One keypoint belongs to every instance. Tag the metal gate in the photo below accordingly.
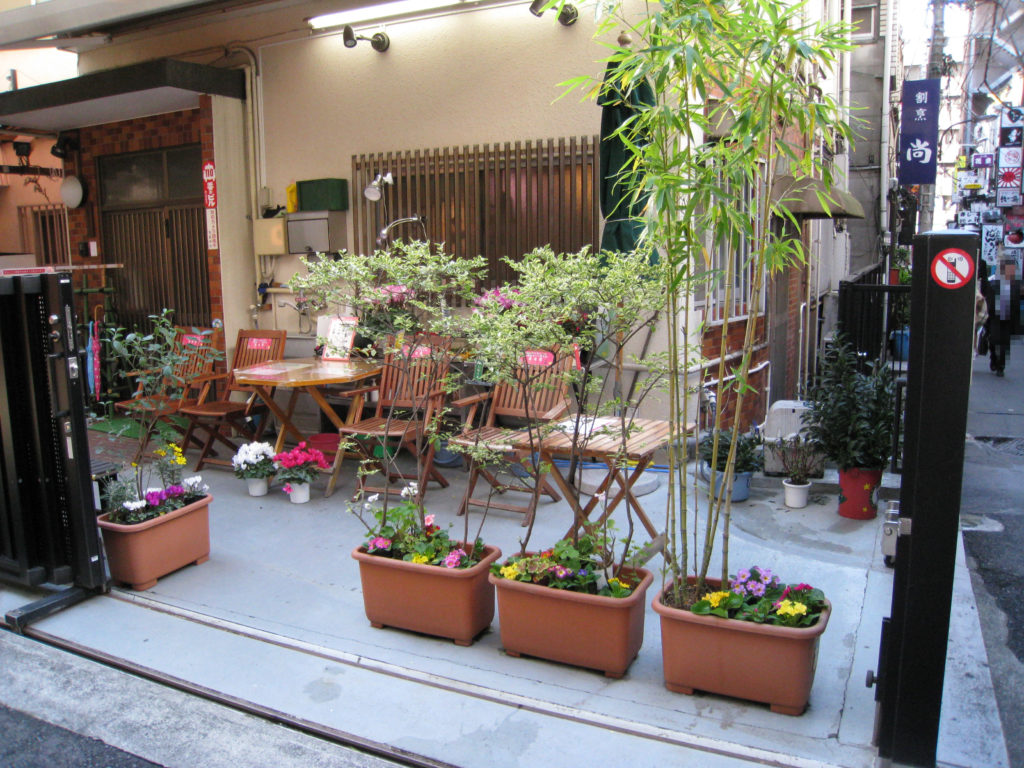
(48, 532)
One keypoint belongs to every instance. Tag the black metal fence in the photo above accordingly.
(48, 533)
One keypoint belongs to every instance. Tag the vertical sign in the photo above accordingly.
(210, 203)
(919, 131)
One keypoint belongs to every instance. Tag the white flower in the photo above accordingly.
(373, 498)
(194, 484)
(134, 505)
(410, 491)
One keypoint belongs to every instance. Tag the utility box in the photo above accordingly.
(785, 419)
(323, 195)
(316, 231)
(269, 237)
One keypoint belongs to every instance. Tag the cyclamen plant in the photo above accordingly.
(756, 594)
(254, 461)
(299, 465)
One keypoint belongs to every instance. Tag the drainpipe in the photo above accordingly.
(253, 95)
(884, 127)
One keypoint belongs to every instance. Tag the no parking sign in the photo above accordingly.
(952, 268)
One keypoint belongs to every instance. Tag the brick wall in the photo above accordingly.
(755, 399)
(154, 132)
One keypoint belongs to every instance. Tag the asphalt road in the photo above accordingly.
(31, 743)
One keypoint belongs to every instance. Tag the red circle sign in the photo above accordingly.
(952, 268)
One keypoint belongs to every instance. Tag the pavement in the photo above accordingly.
(266, 652)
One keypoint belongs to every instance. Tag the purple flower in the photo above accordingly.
(561, 572)
(155, 497)
(742, 575)
(756, 588)
(174, 490)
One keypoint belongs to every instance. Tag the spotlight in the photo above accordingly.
(374, 191)
(64, 146)
(566, 16)
(380, 42)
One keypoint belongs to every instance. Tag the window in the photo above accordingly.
(865, 23)
(739, 255)
(495, 201)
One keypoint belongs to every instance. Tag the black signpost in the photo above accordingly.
(913, 652)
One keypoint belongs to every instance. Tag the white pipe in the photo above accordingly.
(886, 109)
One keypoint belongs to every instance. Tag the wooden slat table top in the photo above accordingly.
(307, 372)
(645, 436)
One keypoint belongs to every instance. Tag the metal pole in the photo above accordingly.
(935, 67)
(913, 654)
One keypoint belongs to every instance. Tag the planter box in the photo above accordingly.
(591, 631)
(140, 554)
(757, 662)
(457, 603)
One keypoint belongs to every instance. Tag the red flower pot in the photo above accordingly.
(457, 603)
(590, 631)
(858, 493)
(756, 662)
(140, 554)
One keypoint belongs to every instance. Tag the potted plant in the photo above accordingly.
(758, 640)
(714, 449)
(763, 116)
(151, 530)
(851, 416)
(801, 459)
(297, 468)
(415, 576)
(254, 463)
(588, 583)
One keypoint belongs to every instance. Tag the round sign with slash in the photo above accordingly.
(952, 268)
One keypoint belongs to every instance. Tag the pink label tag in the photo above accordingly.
(192, 340)
(259, 344)
(421, 350)
(538, 357)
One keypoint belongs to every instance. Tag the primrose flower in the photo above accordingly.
(714, 598)
(791, 608)
(756, 588)
(742, 575)
(378, 542)
(420, 559)
(561, 572)
(510, 571)
(454, 558)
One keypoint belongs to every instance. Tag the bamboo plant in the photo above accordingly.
(736, 104)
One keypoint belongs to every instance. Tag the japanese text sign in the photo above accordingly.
(919, 131)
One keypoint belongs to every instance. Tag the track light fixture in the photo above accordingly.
(64, 146)
(374, 191)
(380, 42)
(566, 16)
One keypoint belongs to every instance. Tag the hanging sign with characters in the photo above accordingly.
(919, 131)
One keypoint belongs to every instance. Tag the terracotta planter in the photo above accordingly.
(140, 554)
(858, 493)
(592, 631)
(457, 603)
(757, 662)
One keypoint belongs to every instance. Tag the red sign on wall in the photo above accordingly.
(209, 185)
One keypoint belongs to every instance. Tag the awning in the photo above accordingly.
(801, 198)
(138, 90)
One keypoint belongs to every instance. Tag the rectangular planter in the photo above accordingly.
(457, 603)
(591, 631)
(757, 662)
(140, 554)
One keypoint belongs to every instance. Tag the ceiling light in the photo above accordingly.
(382, 11)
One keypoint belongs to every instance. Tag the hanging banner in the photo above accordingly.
(919, 131)
(209, 185)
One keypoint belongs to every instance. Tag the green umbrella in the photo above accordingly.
(622, 213)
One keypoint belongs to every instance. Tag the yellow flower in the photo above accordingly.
(715, 598)
(420, 559)
(160, 452)
(510, 571)
(791, 608)
(615, 581)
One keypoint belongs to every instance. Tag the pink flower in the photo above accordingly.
(428, 520)
(378, 542)
(454, 558)
(287, 488)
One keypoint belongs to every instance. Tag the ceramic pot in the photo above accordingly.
(592, 631)
(257, 486)
(140, 554)
(299, 494)
(756, 662)
(858, 493)
(740, 481)
(795, 494)
(457, 603)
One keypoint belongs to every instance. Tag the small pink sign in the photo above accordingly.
(257, 343)
(192, 340)
(538, 357)
(421, 350)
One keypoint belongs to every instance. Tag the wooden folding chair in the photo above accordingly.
(410, 393)
(221, 415)
(182, 388)
(540, 394)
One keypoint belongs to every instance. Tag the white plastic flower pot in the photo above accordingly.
(300, 493)
(257, 486)
(794, 495)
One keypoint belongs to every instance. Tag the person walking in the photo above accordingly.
(1002, 296)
